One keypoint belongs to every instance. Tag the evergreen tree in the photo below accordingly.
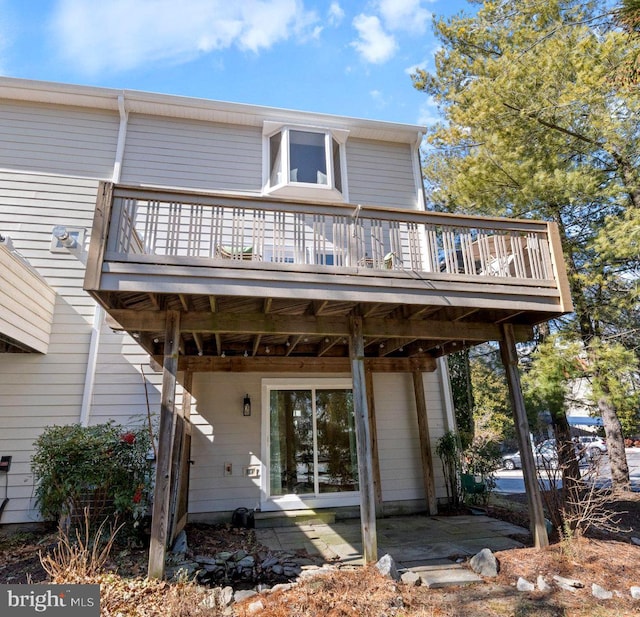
(537, 125)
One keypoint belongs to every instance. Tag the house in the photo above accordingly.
(267, 284)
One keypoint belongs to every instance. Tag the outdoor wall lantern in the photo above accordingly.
(246, 406)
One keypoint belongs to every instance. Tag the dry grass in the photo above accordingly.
(85, 556)
(360, 593)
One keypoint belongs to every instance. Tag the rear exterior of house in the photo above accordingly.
(58, 143)
(265, 284)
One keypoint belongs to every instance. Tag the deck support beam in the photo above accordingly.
(371, 405)
(425, 443)
(534, 499)
(363, 443)
(180, 457)
(162, 491)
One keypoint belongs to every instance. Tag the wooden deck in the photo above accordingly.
(260, 278)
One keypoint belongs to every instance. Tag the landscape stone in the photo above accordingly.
(244, 594)
(269, 562)
(246, 562)
(225, 595)
(281, 587)
(542, 584)
(412, 579)
(484, 563)
(635, 540)
(600, 592)
(277, 569)
(568, 584)
(180, 545)
(255, 607)
(387, 567)
(635, 592)
(205, 561)
(524, 585)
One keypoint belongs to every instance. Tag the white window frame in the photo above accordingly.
(291, 501)
(304, 190)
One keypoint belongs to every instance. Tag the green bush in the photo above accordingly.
(103, 467)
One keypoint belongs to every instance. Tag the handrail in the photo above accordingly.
(222, 227)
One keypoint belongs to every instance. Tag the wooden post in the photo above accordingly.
(363, 443)
(178, 479)
(534, 499)
(425, 444)
(377, 483)
(162, 490)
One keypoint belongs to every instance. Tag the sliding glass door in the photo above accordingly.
(311, 441)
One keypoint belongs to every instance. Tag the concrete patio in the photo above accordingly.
(429, 545)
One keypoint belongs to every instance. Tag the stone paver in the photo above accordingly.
(449, 576)
(422, 544)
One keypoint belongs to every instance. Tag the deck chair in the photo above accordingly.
(244, 254)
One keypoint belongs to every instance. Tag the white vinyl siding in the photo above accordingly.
(398, 440)
(221, 434)
(381, 174)
(26, 303)
(58, 140)
(42, 390)
(192, 154)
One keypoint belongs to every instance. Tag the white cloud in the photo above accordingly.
(408, 15)
(123, 34)
(336, 14)
(373, 44)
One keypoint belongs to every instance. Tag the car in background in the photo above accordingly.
(545, 456)
(593, 445)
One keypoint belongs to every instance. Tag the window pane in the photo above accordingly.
(337, 172)
(275, 157)
(291, 432)
(307, 159)
(337, 459)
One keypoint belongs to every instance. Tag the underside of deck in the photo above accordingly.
(219, 331)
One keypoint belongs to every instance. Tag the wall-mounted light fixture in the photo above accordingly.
(246, 406)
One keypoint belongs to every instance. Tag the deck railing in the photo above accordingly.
(219, 228)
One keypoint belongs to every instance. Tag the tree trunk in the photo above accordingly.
(615, 445)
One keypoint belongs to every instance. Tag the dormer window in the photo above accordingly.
(305, 162)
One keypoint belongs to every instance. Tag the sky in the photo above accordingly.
(344, 57)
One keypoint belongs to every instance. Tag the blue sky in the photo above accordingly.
(346, 57)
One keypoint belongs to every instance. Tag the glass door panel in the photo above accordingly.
(336, 442)
(292, 445)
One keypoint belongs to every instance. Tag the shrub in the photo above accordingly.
(482, 459)
(103, 467)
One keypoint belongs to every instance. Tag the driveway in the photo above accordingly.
(513, 481)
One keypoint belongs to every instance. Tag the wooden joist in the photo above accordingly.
(259, 323)
(291, 364)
